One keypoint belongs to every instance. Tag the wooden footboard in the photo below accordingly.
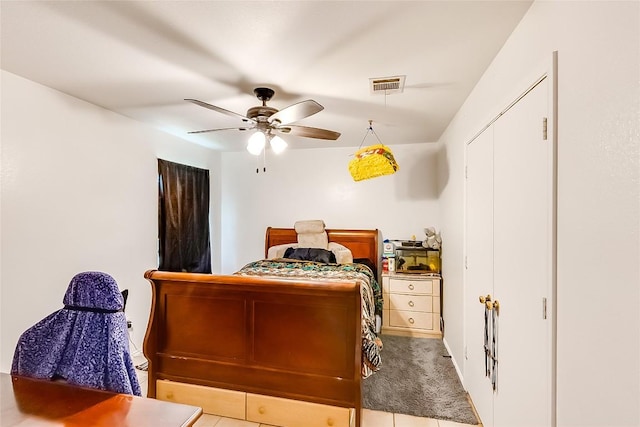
(260, 336)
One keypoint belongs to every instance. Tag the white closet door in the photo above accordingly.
(479, 274)
(522, 261)
(509, 244)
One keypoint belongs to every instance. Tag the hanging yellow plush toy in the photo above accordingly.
(372, 161)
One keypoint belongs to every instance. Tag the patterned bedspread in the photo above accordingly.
(370, 293)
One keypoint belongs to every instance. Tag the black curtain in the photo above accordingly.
(183, 218)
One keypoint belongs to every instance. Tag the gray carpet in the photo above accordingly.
(417, 378)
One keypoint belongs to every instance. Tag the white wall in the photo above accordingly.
(316, 184)
(598, 280)
(79, 192)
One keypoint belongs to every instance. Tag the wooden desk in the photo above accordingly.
(32, 402)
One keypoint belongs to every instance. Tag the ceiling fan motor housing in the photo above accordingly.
(264, 93)
(261, 113)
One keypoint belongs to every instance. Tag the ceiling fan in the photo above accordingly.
(268, 121)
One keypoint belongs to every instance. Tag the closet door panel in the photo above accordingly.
(479, 261)
(522, 236)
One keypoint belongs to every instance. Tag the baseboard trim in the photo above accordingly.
(455, 363)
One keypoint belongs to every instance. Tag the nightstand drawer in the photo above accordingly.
(412, 286)
(410, 319)
(410, 302)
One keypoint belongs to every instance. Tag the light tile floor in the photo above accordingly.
(369, 418)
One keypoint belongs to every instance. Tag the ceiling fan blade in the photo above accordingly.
(216, 130)
(219, 110)
(309, 132)
(297, 111)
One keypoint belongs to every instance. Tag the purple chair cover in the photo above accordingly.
(86, 343)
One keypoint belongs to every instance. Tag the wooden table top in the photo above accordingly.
(32, 402)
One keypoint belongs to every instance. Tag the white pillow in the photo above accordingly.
(278, 250)
(342, 253)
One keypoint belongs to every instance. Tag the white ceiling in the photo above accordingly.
(142, 58)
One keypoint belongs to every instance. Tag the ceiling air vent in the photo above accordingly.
(387, 85)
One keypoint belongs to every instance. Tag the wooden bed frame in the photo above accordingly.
(284, 338)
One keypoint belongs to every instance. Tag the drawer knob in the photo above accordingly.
(411, 287)
(411, 304)
(329, 422)
(262, 410)
(170, 395)
(411, 320)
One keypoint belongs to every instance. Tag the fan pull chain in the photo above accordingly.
(264, 162)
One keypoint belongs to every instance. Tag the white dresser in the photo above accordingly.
(411, 305)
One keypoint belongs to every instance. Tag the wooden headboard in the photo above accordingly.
(362, 243)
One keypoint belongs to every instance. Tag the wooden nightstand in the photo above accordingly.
(411, 305)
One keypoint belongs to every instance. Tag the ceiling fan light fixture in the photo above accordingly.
(256, 143)
(278, 144)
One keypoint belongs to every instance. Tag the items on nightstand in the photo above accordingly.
(388, 257)
(416, 257)
(388, 250)
(411, 257)
(433, 239)
(388, 265)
